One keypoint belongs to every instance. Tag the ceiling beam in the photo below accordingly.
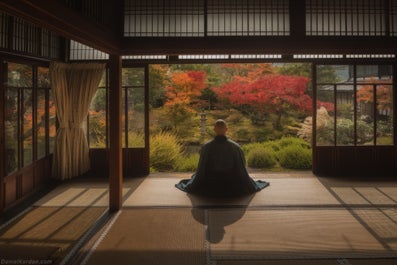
(58, 18)
(255, 45)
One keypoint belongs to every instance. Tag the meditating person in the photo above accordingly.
(221, 170)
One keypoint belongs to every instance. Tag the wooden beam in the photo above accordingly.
(115, 153)
(58, 18)
(2, 136)
(394, 114)
(270, 45)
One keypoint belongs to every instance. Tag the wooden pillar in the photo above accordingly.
(314, 120)
(115, 152)
(2, 129)
(394, 108)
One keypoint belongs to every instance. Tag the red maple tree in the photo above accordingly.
(270, 93)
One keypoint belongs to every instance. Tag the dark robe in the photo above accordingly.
(221, 171)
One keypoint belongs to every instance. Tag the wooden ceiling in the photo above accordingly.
(56, 16)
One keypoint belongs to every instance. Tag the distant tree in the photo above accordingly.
(365, 94)
(295, 69)
(246, 72)
(208, 98)
(183, 95)
(157, 82)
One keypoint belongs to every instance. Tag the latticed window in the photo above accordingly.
(18, 35)
(198, 18)
(4, 22)
(158, 18)
(248, 18)
(345, 18)
(80, 51)
(393, 18)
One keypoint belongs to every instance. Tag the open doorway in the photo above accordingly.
(264, 104)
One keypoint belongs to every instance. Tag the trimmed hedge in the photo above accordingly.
(295, 157)
(261, 157)
(288, 152)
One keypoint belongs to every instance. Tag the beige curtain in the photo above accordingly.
(74, 86)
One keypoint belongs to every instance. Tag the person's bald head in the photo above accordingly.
(220, 127)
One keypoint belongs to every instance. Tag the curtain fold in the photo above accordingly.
(74, 85)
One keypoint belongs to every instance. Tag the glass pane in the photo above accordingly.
(19, 75)
(384, 112)
(374, 79)
(123, 120)
(52, 120)
(11, 130)
(372, 73)
(43, 78)
(134, 112)
(27, 114)
(325, 115)
(41, 123)
(133, 76)
(345, 115)
(365, 114)
(97, 119)
(136, 117)
(330, 74)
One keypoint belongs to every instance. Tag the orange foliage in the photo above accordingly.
(365, 94)
(248, 72)
(185, 87)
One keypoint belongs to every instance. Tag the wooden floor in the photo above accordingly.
(299, 219)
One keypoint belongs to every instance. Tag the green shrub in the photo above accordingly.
(345, 131)
(289, 141)
(295, 157)
(364, 132)
(188, 163)
(248, 147)
(272, 145)
(242, 134)
(261, 157)
(263, 133)
(165, 150)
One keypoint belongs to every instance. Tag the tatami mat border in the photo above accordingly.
(102, 220)
(101, 237)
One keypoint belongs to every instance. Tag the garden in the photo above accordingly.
(263, 104)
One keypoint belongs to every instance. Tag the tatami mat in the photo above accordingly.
(366, 195)
(282, 191)
(46, 233)
(294, 233)
(279, 236)
(278, 262)
(296, 220)
(85, 193)
(152, 236)
(381, 222)
(311, 262)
